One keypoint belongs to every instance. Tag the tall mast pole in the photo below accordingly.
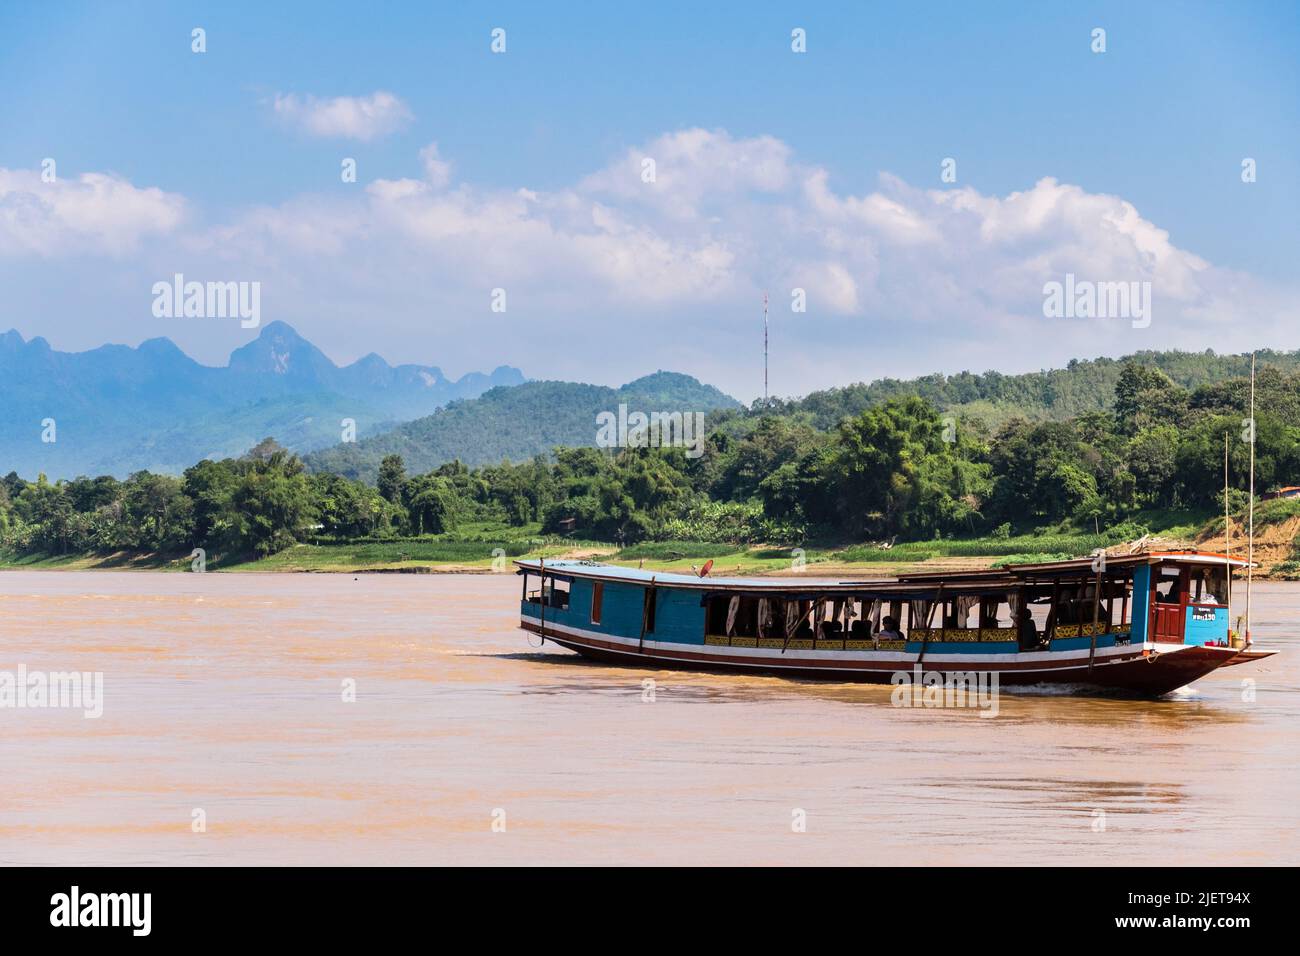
(1250, 545)
(1227, 532)
(765, 350)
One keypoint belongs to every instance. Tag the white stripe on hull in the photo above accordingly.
(1052, 661)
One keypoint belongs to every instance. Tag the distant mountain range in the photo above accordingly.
(118, 409)
(517, 423)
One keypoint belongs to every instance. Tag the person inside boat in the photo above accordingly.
(1028, 630)
(889, 630)
(1067, 611)
(1211, 585)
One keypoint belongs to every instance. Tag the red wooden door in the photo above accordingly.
(1168, 625)
(1169, 604)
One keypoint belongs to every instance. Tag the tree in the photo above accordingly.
(774, 443)
(272, 504)
(1152, 458)
(349, 509)
(210, 486)
(1145, 396)
(431, 504)
(392, 477)
(893, 472)
(157, 514)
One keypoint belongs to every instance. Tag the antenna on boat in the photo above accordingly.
(1227, 531)
(765, 350)
(1250, 540)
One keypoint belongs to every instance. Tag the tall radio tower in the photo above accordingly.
(765, 350)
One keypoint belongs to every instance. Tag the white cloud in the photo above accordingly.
(436, 170)
(612, 276)
(94, 212)
(693, 170)
(344, 117)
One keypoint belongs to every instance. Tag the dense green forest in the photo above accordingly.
(519, 422)
(817, 469)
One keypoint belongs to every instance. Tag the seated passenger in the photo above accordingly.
(1028, 630)
(889, 630)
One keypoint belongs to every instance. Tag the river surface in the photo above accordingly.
(226, 738)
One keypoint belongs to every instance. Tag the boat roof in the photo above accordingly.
(1073, 566)
(613, 572)
(920, 583)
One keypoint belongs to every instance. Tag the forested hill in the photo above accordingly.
(519, 422)
(1085, 385)
(516, 423)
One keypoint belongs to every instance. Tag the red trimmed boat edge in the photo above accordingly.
(1139, 673)
(1245, 656)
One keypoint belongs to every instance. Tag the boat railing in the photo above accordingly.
(1085, 630)
(838, 642)
(964, 634)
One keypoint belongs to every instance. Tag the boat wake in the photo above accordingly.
(1092, 690)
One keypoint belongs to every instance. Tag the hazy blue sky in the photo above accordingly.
(774, 170)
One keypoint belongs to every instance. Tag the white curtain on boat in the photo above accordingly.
(791, 617)
(877, 606)
(1013, 600)
(819, 615)
(850, 607)
(920, 612)
(964, 605)
(764, 617)
(733, 608)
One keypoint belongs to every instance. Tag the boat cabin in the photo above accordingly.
(1168, 598)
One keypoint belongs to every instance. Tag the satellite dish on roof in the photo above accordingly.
(708, 566)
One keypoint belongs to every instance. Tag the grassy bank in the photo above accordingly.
(481, 547)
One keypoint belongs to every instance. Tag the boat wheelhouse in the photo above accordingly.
(1146, 623)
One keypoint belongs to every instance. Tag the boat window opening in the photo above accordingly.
(833, 626)
(597, 599)
(1075, 606)
(1210, 586)
(1167, 585)
(743, 624)
(716, 622)
(807, 621)
(771, 617)
(862, 614)
(555, 593)
(995, 612)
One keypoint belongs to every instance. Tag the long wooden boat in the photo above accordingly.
(1147, 623)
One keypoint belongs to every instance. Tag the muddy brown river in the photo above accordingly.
(402, 719)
